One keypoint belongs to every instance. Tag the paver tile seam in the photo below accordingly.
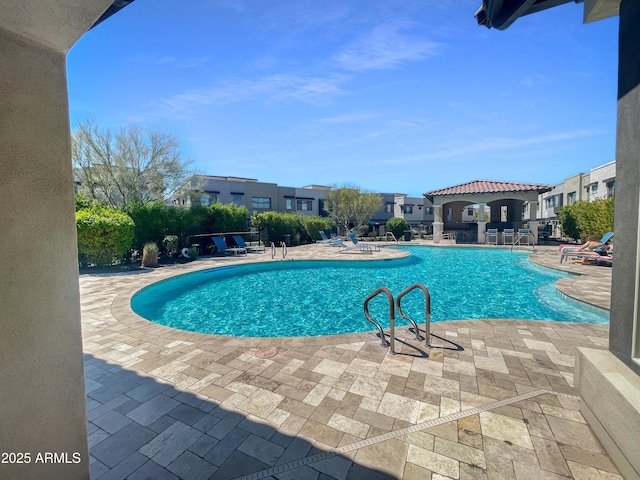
(400, 433)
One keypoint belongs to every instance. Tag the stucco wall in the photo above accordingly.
(628, 180)
(42, 400)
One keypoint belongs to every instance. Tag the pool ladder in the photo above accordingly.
(283, 248)
(393, 237)
(392, 314)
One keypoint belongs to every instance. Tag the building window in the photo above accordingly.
(261, 202)
(388, 207)
(504, 213)
(572, 197)
(304, 205)
(594, 188)
(206, 200)
(288, 204)
(428, 211)
(611, 188)
(236, 198)
(407, 209)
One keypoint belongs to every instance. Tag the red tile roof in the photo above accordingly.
(489, 186)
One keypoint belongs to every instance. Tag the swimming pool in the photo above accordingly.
(311, 297)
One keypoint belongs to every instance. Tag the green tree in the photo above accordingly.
(351, 207)
(397, 226)
(133, 164)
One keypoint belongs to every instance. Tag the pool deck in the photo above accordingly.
(492, 399)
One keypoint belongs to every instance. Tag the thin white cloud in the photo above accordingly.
(497, 144)
(385, 47)
(269, 89)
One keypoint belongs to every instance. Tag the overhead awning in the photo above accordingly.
(501, 14)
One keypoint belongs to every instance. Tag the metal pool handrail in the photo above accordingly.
(285, 251)
(386, 237)
(392, 317)
(427, 311)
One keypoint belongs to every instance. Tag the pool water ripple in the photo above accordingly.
(309, 298)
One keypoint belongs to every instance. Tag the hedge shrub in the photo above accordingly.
(275, 225)
(313, 225)
(104, 235)
(583, 219)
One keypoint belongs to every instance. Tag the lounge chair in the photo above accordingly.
(570, 246)
(249, 248)
(600, 256)
(492, 236)
(355, 241)
(222, 247)
(325, 240)
(600, 253)
(508, 236)
(351, 248)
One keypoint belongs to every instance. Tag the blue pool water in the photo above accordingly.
(309, 298)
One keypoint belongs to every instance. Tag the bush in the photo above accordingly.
(313, 225)
(104, 235)
(277, 225)
(150, 254)
(156, 221)
(227, 217)
(397, 226)
(583, 219)
(170, 244)
(84, 202)
(151, 220)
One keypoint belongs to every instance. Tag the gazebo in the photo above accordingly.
(505, 200)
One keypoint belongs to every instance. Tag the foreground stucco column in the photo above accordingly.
(42, 396)
(609, 382)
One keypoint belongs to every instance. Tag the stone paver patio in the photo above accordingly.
(493, 399)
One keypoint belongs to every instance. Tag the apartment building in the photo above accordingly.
(308, 200)
(599, 183)
(254, 195)
(417, 211)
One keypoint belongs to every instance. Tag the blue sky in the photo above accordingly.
(400, 96)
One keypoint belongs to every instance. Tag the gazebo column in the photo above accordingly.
(438, 224)
(482, 222)
(533, 220)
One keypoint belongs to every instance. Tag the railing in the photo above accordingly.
(392, 317)
(393, 237)
(520, 235)
(284, 249)
(427, 311)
